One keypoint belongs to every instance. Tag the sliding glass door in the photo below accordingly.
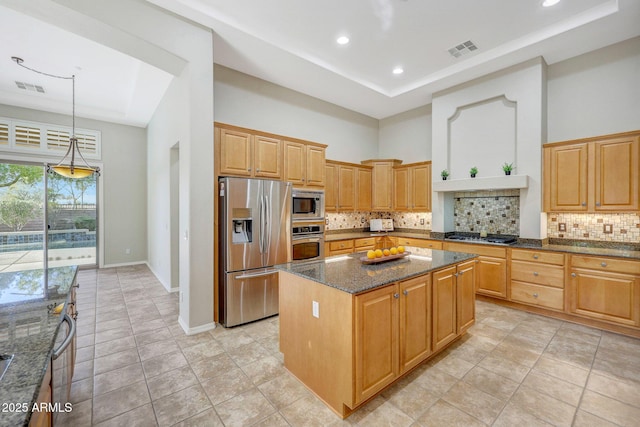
(45, 220)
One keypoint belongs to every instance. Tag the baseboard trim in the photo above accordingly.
(164, 285)
(198, 329)
(124, 264)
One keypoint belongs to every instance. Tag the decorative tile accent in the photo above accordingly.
(496, 212)
(609, 227)
(358, 220)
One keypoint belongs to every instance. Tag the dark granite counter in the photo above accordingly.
(349, 274)
(611, 249)
(28, 331)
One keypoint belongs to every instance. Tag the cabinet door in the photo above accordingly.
(617, 174)
(376, 329)
(606, 296)
(444, 307)
(466, 290)
(415, 325)
(346, 188)
(382, 187)
(315, 161)
(421, 188)
(235, 153)
(295, 163)
(491, 276)
(401, 189)
(566, 177)
(267, 157)
(331, 187)
(363, 189)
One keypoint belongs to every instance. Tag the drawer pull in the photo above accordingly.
(396, 296)
(573, 274)
(604, 264)
(405, 292)
(535, 256)
(535, 295)
(535, 273)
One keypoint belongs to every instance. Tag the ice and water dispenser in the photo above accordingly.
(241, 225)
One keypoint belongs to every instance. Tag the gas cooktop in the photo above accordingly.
(495, 239)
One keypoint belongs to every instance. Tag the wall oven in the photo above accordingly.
(307, 241)
(307, 205)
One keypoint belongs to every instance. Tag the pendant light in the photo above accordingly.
(66, 168)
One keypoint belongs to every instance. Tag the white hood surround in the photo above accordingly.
(485, 123)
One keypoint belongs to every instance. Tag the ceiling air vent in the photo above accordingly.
(463, 48)
(29, 86)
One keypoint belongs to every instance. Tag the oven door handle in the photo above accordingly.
(72, 333)
(308, 239)
(252, 275)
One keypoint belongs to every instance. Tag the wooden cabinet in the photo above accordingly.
(453, 302)
(364, 244)
(418, 243)
(385, 242)
(491, 267)
(382, 183)
(43, 418)
(605, 289)
(415, 321)
(304, 164)
(242, 153)
(339, 247)
(348, 187)
(593, 175)
(412, 187)
(363, 188)
(331, 186)
(537, 278)
(376, 341)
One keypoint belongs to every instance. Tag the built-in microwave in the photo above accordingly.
(307, 205)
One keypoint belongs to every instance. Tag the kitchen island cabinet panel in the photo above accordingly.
(415, 321)
(466, 295)
(444, 307)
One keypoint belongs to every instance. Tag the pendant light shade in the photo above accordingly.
(67, 167)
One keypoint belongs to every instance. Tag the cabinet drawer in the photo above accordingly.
(542, 274)
(480, 249)
(537, 295)
(538, 256)
(368, 241)
(419, 243)
(341, 245)
(606, 264)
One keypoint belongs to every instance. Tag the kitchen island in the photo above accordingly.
(348, 330)
(28, 332)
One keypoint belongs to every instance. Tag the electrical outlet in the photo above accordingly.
(361, 220)
(608, 229)
(421, 221)
(315, 309)
(562, 226)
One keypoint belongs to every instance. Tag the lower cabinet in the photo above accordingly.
(537, 278)
(491, 267)
(43, 418)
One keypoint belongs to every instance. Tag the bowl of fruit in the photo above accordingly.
(383, 255)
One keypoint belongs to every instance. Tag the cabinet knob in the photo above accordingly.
(535, 295)
(396, 296)
(604, 264)
(461, 273)
(405, 292)
(584, 203)
(455, 274)
(248, 169)
(535, 273)
(573, 274)
(597, 203)
(257, 170)
(302, 179)
(535, 256)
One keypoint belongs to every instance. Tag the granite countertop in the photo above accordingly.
(28, 331)
(612, 249)
(349, 274)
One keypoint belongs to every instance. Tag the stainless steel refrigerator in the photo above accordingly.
(255, 235)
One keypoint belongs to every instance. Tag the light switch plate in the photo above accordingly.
(316, 309)
(562, 226)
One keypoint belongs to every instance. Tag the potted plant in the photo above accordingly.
(473, 172)
(444, 174)
(507, 168)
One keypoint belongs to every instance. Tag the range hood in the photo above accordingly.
(489, 183)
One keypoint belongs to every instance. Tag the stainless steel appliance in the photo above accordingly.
(307, 205)
(307, 241)
(255, 235)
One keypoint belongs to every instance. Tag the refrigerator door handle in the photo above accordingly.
(261, 274)
(262, 227)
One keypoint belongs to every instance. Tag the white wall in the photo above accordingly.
(124, 181)
(406, 136)
(246, 101)
(597, 93)
(524, 85)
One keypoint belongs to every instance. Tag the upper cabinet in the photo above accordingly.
(593, 175)
(382, 183)
(304, 164)
(243, 153)
(348, 187)
(412, 187)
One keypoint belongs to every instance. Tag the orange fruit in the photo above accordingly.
(378, 253)
(400, 249)
(393, 250)
(386, 252)
(371, 254)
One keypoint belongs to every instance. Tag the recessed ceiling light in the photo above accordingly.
(398, 70)
(549, 3)
(343, 40)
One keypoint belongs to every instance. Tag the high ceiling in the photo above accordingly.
(293, 43)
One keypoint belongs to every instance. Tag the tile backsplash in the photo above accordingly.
(355, 220)
(496, 212)
(610, 227)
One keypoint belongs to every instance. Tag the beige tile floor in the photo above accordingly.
(136, 366)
